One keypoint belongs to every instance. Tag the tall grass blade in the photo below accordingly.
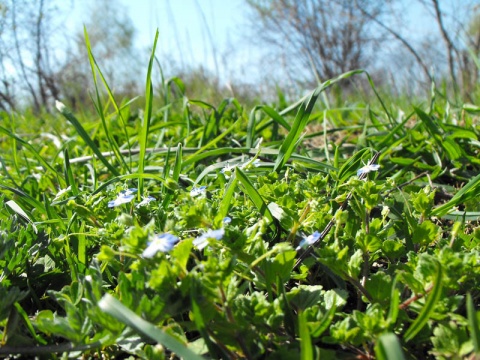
(276, 117)
(394, 303)
(116, 309)
(25, 198)
(98, 105)
(144, 129)
(69, 173)
(302, 117)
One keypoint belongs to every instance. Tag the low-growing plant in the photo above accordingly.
(201, 230)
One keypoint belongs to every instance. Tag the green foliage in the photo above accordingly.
(272, 248)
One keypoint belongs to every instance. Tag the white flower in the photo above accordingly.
(368, 168)
(162, 242)
(146, 201)
(198, 191)
(202, 241)
(309, 240)
(228, 170)
(60, 106)
(124, 197)
(227, 220)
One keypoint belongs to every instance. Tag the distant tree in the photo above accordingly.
(322, 37)
(26, 61)
(470, 56)
(112, 39)
(39, 62)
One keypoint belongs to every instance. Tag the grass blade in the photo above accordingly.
(302, 118)
(276, 117)
(83, 134)
(469, 191)
(388, 347)
(473, 327)
(16, 208)
(69, 173)
(116, 309)
(253, 194)
(35, 153)
(428, 308)
(226, 201)
(144, 129)
(98, 105)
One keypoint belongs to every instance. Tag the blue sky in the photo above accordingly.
(212, 33)
(191, 32)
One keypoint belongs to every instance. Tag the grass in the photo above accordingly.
(394, 273)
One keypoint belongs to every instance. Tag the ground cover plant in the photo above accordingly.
(197, 230)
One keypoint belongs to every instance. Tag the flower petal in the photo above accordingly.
(121, 199)
(309, 240)
(146, 201)
(162, 242)
(368, 168)
(201, 241)
(197, 191)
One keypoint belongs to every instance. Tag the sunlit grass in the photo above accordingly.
(387, 259)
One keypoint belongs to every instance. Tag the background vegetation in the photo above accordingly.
(159, 224)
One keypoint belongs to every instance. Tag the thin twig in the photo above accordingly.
(414, 298)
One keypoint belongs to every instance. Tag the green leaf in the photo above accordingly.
(226, 200)
(116, 309)
(425, 233)
(304, 296)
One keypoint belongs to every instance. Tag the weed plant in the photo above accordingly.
(197, 230)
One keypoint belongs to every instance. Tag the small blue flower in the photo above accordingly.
(227, 220)
(202, 241)
(309, 240)
(146, 201)
(368, 168)
(160, 242)
(198, 191)
(124, 197)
